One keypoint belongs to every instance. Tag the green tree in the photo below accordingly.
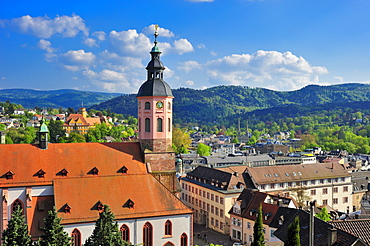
(17, 232)
(56, 130)
(53, 232)
(235, 140)
(73, 137)
(293, 238)
(323, 214)
(203, 150)
(180, 141)
(106, 231)
(258, 236)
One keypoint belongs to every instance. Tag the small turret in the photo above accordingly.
(43, 136)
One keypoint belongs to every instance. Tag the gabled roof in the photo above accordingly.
(291, 173)
(84, 193)
(78, 158)
(359, 228)
(321, 232)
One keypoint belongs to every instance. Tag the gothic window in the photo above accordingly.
(168, 228)
(147, 105)
(17, 203)
(76, 237)
(184, 239)
(148, 234)
(159, 125)
(125, 231)
(169, 124)
(147, 125)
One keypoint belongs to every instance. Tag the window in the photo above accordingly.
(313, 182)
(329, 180)
(335, 180)
(216, 211)
(168, 228)
(169, 106)
(335, 200)
(272, 186)
(212, 197)
(262, 187)
(169, 124)
(321, 181)
(222, 200)
(281, 185)
(196, 191)
(148, 234)
(221, 213)
(207, 207)
(159, 125)
(325, 191)
(248, 225)
(345, 188)
(217, 199)
(345, 199)
(17, 203)
(335, 190)
(212, 221)
(221, 225)
(147, 125)
(289, 184)
(207, 195)
(343, 179)
(184, 240)
(125, 231)
(212, 209)
(76, 237)
(325, 202)
(147, 105)
(313, 192)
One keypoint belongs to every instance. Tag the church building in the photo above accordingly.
(135, 179)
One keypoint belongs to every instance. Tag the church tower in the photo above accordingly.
(155, 121)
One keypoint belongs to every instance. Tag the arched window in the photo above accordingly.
(184, 240)
(159, 125)
(168, 228)
(76, 237)
(169, 124)
(139, 124)
(125, 233)
(147, 105)
(17, 203)
(148, 234)
(147, 125)
(169, 106)
(139, 105)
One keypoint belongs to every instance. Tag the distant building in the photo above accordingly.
(80, 122)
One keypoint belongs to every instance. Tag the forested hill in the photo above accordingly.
(54, 98)
(218, 103)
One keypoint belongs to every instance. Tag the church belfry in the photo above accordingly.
(155, 121)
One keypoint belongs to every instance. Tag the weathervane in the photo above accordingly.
(155, 33)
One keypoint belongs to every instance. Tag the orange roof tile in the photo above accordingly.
(150, 198)
(78, 159)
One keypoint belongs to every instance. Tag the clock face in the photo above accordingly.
(159, 104)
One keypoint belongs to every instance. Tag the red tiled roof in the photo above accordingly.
(150, 198)
(78, 159)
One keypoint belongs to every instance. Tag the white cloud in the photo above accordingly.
(183, 46)
(46, 45)
(189, 83)
(90, 42)
(77, 59)
(189, 65)
(100, 35)
(271, 69)
(109, 80)
(130, 43)
(149, 30)
(44, 27)
(201, 46)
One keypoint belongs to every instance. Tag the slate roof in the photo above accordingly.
(291, 173)
(359, 228)
(320, 234)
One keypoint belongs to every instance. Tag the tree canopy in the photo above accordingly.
(293, 237)
(17, 231)
(258, 235)
(53, 232)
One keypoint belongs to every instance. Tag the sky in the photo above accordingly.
(104, 46)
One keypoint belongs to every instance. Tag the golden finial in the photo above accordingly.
(155, 33)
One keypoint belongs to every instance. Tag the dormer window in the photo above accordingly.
(100, 206)
(129, 204)
(123, 170)
(64, 172)
(9, 174)
(252, 212)
(67, 208)
(94, 171)
(41, 173)
(267, 216)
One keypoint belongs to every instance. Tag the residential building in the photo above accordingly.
(327, 183)
(80, 122)
(210, 193)
(244, 211)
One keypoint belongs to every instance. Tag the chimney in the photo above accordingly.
(332, 236)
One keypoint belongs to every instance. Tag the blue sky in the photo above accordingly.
(104, 45)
